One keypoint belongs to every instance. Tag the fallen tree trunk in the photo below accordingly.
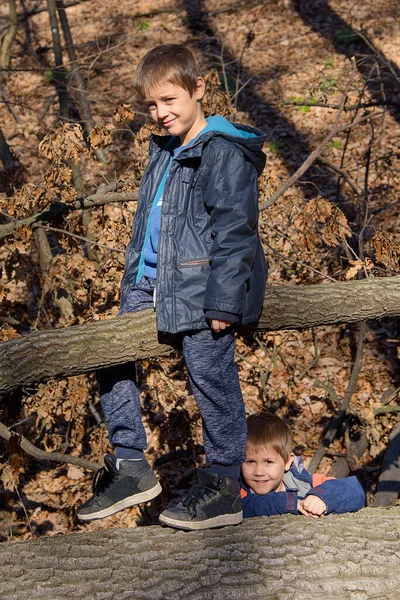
(340, 557)
(63, 352)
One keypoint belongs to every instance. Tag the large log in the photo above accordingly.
(340, 557)
(62, 352)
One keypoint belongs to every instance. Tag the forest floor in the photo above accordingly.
(268, 55)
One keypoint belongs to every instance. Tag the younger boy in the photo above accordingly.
(275, 481)
(196, 251)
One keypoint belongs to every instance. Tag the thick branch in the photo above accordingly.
(101, 197)
(62, 352)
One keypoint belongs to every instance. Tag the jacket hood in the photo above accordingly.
(248, 139)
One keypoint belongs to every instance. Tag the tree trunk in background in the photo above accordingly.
(83, 101)
(339, 557)
(59, 71)
(6, 155)
(79, 349)
(6, 43)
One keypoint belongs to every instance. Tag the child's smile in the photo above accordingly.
(263, 470)
(175, 109)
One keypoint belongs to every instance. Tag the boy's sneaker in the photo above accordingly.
(115, 489)
(210, 503)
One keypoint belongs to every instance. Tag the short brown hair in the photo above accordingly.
(269, 431)
(172, 63)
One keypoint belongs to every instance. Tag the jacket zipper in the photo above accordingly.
(194, 263)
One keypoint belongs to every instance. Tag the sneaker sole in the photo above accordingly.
(125, 503)
(220, 521)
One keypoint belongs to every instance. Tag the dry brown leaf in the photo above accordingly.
(336, 229)
(319, 209)
(100, 136)
(356, 266)
(64, 140)
(387, 249)
(123, 113)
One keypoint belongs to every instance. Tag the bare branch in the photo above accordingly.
(32, 450)
(103, 195)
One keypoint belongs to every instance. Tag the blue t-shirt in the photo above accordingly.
(148, 259)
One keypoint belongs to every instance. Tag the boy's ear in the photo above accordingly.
(200, 88)
(289, 461)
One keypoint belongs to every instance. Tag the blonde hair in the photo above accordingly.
(168, 63)
(269, 431)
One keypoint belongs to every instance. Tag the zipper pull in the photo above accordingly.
(154, 298)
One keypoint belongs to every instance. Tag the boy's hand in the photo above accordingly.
(218, 326)
(312, 506)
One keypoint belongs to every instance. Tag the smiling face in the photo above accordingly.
(176, 110)
(263, 469)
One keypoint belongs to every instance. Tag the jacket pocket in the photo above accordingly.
(196, 262)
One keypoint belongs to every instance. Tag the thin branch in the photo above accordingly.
(314, 155)
(339, 418)
(341, 172)
(78, 237)
(298, 262)
(347, 108)
(383, 410)
(32, 450)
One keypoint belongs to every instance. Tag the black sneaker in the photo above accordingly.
(115, 489)
(210, 503)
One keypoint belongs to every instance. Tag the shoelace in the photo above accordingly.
(103, 478)
(196, 494)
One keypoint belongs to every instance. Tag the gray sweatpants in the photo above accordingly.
(214, 381)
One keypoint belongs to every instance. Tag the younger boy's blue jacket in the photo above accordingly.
(209, 256)
(340, 495)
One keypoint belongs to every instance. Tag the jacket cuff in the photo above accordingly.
(222, 316)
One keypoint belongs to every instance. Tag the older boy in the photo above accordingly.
(275, 481)
(196, 249)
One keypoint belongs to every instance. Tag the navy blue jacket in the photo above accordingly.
(340, 495)
(209, 252)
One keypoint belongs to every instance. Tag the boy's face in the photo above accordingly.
(263, 470)
(172, 107)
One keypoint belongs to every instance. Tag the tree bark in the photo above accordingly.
(340, 557)
(63, 352)
(5, 45)
(59, 71)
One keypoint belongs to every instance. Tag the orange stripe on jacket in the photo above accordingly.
(318, 478)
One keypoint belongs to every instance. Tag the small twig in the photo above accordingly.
(341, 172)
(78, 237)
(315, 360)
(347, 108)
(47, 106)
(95, 414)
(331, 391)
(293, 260)
(233, 7)
(32, 450)
(263, 374)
